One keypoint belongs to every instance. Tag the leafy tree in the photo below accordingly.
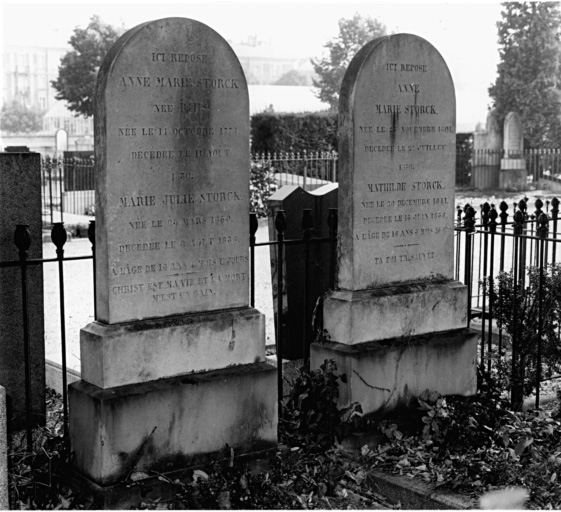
(529, 70)
(18, 118)
(353, 34)
(293, 77)
(78, 68)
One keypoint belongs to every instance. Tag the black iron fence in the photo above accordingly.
(508, 258)
(68, 183)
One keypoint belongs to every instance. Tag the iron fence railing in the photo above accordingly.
(68, 184)
(513, 238)
(504, 258)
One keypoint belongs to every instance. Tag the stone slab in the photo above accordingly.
(127, 353)
(165, 425)
(397, 152)
(512, 164)
(293, 200)
(20, 203)
(390, 374)
(394, 311)
(171, 127)
(4, 495)
(415, 494)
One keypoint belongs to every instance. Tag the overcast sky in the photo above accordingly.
(465, 33)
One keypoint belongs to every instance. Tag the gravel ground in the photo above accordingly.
(78, 295)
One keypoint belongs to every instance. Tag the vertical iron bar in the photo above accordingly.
(469, 223)
(22, 240)
(516, 370)
(307, 225)
(493, 229)
(62, 171)
(50, 165)
(504, 216)
(253, 225)
(554, 216)
(485, 209)
(542, 234)
(280, 224)
(59, 237)
(91, 238)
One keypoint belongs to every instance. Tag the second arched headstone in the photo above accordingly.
(396, 324)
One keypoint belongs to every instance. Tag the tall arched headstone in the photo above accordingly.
(487, 152)
(513, 173)
(396, 324)
(172, 235)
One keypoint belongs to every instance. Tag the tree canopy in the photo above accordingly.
(529, 69)
(18, 118)
(78, 68)
(354, 33)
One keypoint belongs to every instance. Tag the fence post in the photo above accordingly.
(280, 225)
(517, 392)
(91, 238)
(493, 230)
(22, 240)
(469, 225)
(253, 225)
(307, 226)
(59, 237)
(554, 217)
(542, 234)
(486, 208)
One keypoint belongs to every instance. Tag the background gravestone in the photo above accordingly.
(293, 200)
(396, 322)
(20, 203)
(513, 173)
(172, 266)
(487, 152)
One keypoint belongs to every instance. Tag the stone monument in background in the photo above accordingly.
(513, 173)
(396, 324)
(173, 368)
(20, 203)
(487, 152)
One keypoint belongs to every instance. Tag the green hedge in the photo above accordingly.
(272, 132)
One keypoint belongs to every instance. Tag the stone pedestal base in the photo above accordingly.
(171, 423)
(513, 174)
(133, 352)
(516, 179)
(352, 317)
(385, 375)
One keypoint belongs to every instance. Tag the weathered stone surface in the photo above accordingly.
(392, 324)
(394, 312)
(513, 136)
(171, 139)
(513, 175)
(115, 355)
(4, 496)
(175, 346)
(397, 122)
(487, 152)
(384, 375)
(20, 203)
(293, 200)
(176, 420)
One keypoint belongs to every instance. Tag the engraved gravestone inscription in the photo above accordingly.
(397, 153)
(172, 115)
